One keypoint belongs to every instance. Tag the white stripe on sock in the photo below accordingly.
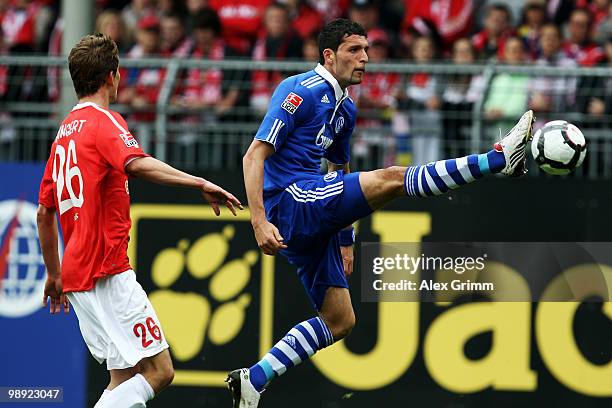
(421, 191)
(312, 332)
(289, 352)
(278, 367)
(462, 166)
(443, 173)
(432, 184)
(303, 342)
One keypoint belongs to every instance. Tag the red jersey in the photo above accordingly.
(85, 181)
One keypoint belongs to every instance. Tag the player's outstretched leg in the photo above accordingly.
(507, 157)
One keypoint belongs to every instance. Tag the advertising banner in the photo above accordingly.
(40, 353)
(223, 304)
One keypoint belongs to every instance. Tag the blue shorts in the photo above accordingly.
(309, 215)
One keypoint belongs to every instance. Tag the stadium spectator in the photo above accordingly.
(241, 21)
(604, 30)
(533, 17)
(579, 45)
(598, 9)
(379, 90)
(497, 28)
(330, 9)
(19, 26)
(365, 13)
(3, 68)
(171, 7)
(134, 11)
(305, 19)
(276, 42)
(55, 50)
(109, 22)
(310, 48)
(7, 129)
(174, 41)
(140, 86)
(212, 90)
(451, 19)
(552, 94)
(376, 98)
(595, 94)
(193, 9)
(422, 101)
(460, 94)
(508, 92)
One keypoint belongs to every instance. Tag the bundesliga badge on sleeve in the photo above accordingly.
(292, 102)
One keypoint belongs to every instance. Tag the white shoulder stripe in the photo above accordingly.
(311, 79)
(111, 117)
(317, 83)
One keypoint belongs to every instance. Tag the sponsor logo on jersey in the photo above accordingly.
(322, 140)
(339, 124)
(325, 99)
(292, 102)
(129, 140)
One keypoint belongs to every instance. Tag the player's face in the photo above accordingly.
(352, 57)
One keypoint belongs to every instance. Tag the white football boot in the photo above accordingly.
(244, 394)
(514, 144)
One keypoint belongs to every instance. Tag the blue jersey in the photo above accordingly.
(309, 118)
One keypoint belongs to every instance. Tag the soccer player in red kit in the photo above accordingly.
(86, 184)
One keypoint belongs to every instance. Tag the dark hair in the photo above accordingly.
(532, 7)
(334, 33)
(500, 7)
(279, 6)
(90, 62)
(584, 11)
(174, 15)
(207, 19)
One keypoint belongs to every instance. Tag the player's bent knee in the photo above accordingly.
(159, 371)
(341, 326)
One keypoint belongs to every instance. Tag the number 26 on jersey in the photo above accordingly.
(64, 170)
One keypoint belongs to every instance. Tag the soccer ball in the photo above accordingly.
(558, 147)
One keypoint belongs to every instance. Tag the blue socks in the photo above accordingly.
(438, 177)
(298, 345)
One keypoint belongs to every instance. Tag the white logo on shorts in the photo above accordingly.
(24, 271)
(330, 176)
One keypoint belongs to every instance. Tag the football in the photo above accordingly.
(558, 147)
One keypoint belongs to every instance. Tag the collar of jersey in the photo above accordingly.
(84, 105)
(321, 70)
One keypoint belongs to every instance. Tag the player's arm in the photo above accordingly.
(267, 235)
(346, 235)
(339, 152)
(156, 171)
(46, 221)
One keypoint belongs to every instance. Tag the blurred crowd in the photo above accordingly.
(555, 33)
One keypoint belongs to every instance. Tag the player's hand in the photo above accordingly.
(268, 238)
(347, 259)
(54, 291)
(215, 195)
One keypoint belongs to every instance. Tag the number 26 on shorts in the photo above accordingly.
(140, 331)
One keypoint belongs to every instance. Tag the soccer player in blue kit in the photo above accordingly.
(307, 217)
